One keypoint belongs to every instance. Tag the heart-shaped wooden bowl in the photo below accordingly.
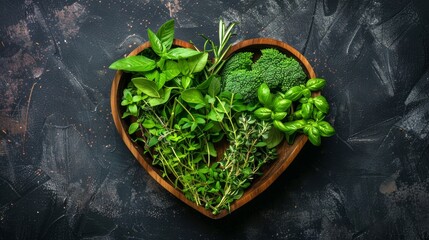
(286, 152)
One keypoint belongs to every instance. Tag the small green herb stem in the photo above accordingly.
(190, 114)
(171, 120)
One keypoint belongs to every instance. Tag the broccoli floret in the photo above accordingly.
(243, 82)
(279, 71)
(239, 61)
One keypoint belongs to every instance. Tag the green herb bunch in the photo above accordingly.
(181, 114)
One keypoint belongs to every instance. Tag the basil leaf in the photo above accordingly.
(180, 53)
(281, 105)
(166, 34)
(321, 103)
(275, 137)
(160, 81)
(314, 136)
(264, 94)
(318, 115)
(214, 87)
(146, 86)
(306, 110)
(183, 66)
(152, 75)
(198, 62)
(192, 95)
(171, 69)
(215, 116)
(165, 96)
(205, 84)
(306, 93)
(294, 93)
(315, 84)
(304, 100)
(263, 113)
(325, 129)
(297, 114)
(290, 128)
(134, 63)
(279, 116)
(186, 81)
(155, 43)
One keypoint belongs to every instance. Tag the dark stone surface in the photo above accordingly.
(65, 174)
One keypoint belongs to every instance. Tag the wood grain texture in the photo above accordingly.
(286, 152)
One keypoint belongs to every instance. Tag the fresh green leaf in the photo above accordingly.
(315, 84)
(281, 105)
(289, 127)
(148, 123)
(241, 107)
(278, 115)
(264, 94)
(214, 87)
(164, 96)
(124, 102)
(261, 144)
(133, 109)
(307, 110)
(198, 62)
(146, 86)
(306, 93)
(153, 141)
(134, 64)
(321, 103)
(212, 150)
(186, 81)
(171, 65)
(170, 73)
(318, 115)
(160, 81)
(192, 95)
(215, 116)
(294, 93)
(183, 66)
(275, 137)
(263, 113)
(200, 120)
(133, 127)
(137, 98)
(325, 129)
(155, 43)
(314, 136)
(194, 125)
(179, 53)
(166, 34)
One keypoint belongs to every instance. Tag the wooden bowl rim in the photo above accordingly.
(264, 181)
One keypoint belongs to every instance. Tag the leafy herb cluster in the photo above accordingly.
(308, 118)
(180, 112)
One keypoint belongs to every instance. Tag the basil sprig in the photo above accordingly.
(308, 118)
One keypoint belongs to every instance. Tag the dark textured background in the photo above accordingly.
(65, 174)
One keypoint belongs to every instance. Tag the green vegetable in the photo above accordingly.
(244, 83)
(278, 70)
(315, 84)
(273, 68)
(239, 61)
(263, 113)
